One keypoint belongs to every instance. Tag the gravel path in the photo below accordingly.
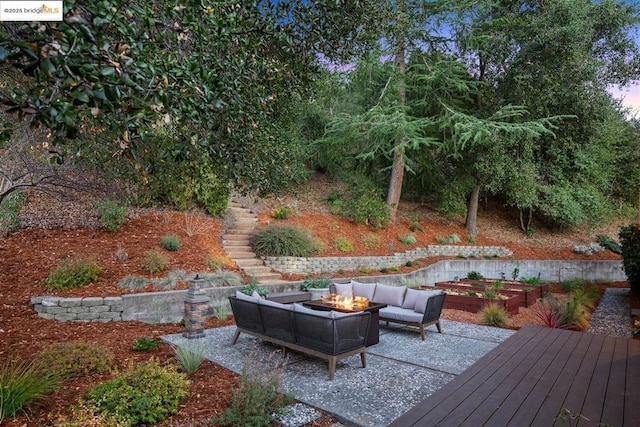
(611, 317)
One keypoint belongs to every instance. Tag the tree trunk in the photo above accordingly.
(397, 170)
(472, 211)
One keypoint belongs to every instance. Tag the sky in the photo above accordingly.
(630, 98)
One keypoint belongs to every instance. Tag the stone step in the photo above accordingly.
(249, 262)
(257, 269)
(240, 255)
(235, 238)
(237, 248)
(236, 243)
(246, 232)
(241, 212)
(267, 277)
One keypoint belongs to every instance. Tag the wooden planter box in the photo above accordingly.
(474, 304)
(526, 296)
(539, 290)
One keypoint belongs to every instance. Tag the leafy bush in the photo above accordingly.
(9, 213)
(73, 273)
(441, 240)
(22, 382)
(608, 243)
(494, 315)
(133, 282)
(76, 358)
(497, 284)
(472, 239)
(145, 344)
(367, 208)
(534, 281)
(154, 262)
(214, 263)
(342, 244)
(550, 312)
(283, 241)
(474, 275)
(170, 242)
(319, 283)
(256, 401)
(454, 238)
(371, 241)
(112, 214)
(282, 212)
(630, 243)
(222, 311)
(145, 394)
(489, 294)
(254, 287)
(190, 356)
(222, 278)
(409, 239)
(573, 284)
(414, 223)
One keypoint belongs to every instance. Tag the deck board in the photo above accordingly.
(534, 375)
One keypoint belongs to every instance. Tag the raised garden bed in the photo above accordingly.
(526, 296)
(475, 304)
(540, 290)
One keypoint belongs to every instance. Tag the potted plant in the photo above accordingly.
(317, 287)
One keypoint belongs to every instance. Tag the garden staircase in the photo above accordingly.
(235, 243)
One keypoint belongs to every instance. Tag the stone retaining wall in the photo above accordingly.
(299, 265)
(168, 307)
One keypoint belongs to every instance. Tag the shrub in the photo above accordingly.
(497, 284)
(256, 401)
(283, 241)
(549, 311)
(222, 311)
(409, 239)
(76, 358)
(489, 294)
(472, 239)
(364, 270)
(121, 254)
(371, 241)
(366, 206)
(222, 278)
(573, 284)
(474, 275)
(22, 382)
(154, 262)
(9, 213)
(608, 243)
(73, 273)
(441, 240)
(534, 281)
(112, 214)
(170, 242)
(630, 243)
(133, 282)
(319, 283)
(190, 356)
(454, 238)
(494, 315)
(145, 394)
(214, 263)
(145, 344)
(282, 212)
(254, 287)
(342, 244)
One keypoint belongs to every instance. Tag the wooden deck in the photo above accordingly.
(541, 376)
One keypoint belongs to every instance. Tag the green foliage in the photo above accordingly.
(319, 283)
(9, 210)
(364, 270)
(112, 214)
(170, 242)
(146, 394)
(630, 242)
(474, 275)
(490, 294)
(252, 287)
(533, 281)
(145, 344)
(573, 284)
(222, 278)
(497, 284)
(222, 311)
(282, 212)
(278, 240)
(73, 273)
(155, 262)
(22, 382)
(190, 355)
(573, 314)
(494, 315)
(414, 223)
(441, 240)
(608, 243)
(409, 239)
(76, 358)
(256, 401)
(133, 282)
(472, 239)
(343, 244)
(454, 238)
(367, 207)
(214, 263)
(371, 241)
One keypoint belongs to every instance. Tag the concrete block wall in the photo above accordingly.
(168, 307)
(299, 265)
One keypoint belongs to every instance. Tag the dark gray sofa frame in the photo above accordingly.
(327, 338)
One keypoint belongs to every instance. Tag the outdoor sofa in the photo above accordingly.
(328, 335)
(408, 306)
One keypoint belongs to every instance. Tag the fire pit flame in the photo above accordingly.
(346, 302)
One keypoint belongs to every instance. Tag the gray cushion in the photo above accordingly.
(366, 290)
(275, 304)
(410, 298)
(397, 313)
(344, 289)
(391, 295)
(299, 308)
(422, 299)
(241, 295)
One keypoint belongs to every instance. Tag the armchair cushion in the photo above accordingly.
(344, 289)
(242, 296)
(398, 313)
(390, 295)
(422, 299)
(366, 290)
(410, 298)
